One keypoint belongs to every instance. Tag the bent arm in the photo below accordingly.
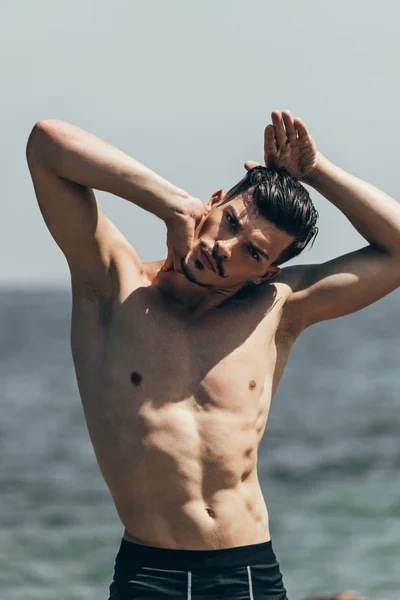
(353, 281)
(374, 214)
(82, 158)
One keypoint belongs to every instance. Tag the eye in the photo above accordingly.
(256, 255)
(233, 221)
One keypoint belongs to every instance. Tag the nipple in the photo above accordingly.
(252, 384)
(136, 378)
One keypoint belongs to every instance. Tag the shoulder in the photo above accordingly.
(282, 292)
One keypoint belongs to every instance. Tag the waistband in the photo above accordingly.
(131, 554)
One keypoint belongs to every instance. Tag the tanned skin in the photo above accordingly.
(176, 371)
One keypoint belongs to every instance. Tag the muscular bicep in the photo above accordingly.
(341, 286)
(75, 220)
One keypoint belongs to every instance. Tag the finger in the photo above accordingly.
(178, 256)
(301, 129)
(289, 126)
(270, 148)
(169, 261)
(250, 164)
(177, 264)
(280, 133)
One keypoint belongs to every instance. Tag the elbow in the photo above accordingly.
(39, 138)
(34, 139)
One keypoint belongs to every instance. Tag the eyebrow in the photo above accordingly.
(240, 223)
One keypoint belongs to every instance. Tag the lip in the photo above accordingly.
(208, 259)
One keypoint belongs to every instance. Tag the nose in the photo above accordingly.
(224, 248)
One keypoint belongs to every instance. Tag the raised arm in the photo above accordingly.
(355, 280)
(66, 163)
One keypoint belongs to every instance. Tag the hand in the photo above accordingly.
(180, 232)
(287, 144)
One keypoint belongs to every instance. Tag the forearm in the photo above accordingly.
(83, 158)
(374, 214)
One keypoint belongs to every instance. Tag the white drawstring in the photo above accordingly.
(250, 582)
(189, 596)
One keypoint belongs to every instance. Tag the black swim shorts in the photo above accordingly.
(240, 573)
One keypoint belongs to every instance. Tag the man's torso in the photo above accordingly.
(176, 408)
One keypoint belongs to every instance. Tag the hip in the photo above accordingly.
(249, 572)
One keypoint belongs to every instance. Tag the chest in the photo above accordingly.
(149, 354)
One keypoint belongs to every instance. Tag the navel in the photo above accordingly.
(210, 512)
(136, 378)
(252, 384)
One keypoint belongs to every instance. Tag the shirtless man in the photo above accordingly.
(177, 361)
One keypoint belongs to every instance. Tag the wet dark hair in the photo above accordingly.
(280, 198)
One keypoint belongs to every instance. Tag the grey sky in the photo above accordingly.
(187, 88)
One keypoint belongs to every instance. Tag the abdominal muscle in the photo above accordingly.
(186, 478)
(236, 517)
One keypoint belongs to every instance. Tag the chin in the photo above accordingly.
(190, 272)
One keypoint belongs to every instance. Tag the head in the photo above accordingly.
(262, 222)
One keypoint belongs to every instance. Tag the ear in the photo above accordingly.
(216, 198)
(250, 164)
(272, 272)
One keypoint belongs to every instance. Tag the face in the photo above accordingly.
(239, 251)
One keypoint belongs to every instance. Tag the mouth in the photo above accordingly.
(207, 260)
